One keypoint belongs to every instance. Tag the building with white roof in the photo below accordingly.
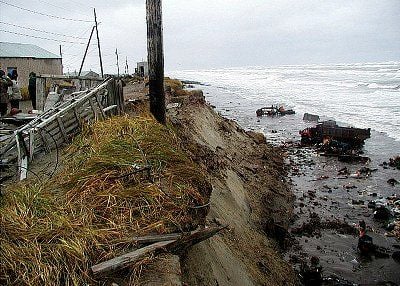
(27, 58)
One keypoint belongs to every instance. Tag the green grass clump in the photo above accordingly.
(52, 234)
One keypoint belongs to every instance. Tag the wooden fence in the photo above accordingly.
(46, 82)
(61, 123)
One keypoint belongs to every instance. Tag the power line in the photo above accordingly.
(68, 47)
(44, 14)
(42, 31)
(63, 8)
(37, 37)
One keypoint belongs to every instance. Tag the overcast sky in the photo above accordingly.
(201, 34)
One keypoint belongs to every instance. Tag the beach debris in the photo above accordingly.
(312, 273)
(364, 172)
(395, 162)
(175, 246)
(310, 117)
(366, 246)
(274, 111)
(382, 212)
(392, 182)
(357, 202)
(344, 171)
(396, 256)
(365, 243)
(335, 137)
(349, 186)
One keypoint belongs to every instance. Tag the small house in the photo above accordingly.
(27, 58)
(142, 69)
(88, 74)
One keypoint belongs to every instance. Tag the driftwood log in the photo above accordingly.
(173, 243)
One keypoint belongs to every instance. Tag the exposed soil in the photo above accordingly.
(250, 195)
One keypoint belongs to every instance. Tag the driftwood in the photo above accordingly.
(156, 238)
(174, 245)
(131, 257)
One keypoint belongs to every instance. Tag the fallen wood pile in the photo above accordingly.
(61, 123)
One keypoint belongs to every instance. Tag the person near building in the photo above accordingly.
(15, 91)
(32, 88)
(5, 83)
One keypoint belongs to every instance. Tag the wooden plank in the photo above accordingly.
(61, 125)
(31, 144)
(19, 155)
(103, 115)
(93, 107)
(111, 107)
(23, 168)
(156, 238)
(77, 102)
(70, 129)
(44, 140)
(175, 246)
(188, 240)
(40, 93)
(77, 117)
(129, 258)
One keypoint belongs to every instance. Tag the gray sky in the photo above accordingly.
(201, 34)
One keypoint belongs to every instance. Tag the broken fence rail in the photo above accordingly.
(61, 123)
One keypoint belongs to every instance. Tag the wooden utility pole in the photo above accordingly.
(62, 68)
(126, 66)
(116, 53)
(98, 42)
(87, 47)
(155, 59)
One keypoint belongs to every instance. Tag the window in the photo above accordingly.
(10, 70)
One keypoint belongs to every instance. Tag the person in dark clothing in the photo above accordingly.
(32, 88)
(5, 83)
(365, 243)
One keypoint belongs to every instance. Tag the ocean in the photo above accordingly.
(361, 95)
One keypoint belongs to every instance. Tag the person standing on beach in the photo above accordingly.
(15, 94)
(5, 83)
(32, 88)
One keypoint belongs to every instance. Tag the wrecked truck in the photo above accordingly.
(330, 131)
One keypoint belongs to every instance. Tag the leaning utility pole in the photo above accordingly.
(155, 59)
(86, 50)
(98, 42)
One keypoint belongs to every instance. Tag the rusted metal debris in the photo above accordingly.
(329, 131)
(274, 111)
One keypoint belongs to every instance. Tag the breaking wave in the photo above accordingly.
(363, 95)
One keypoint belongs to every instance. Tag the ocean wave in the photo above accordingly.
(383, 86)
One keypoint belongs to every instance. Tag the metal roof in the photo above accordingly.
(83, 73)
(16, 50)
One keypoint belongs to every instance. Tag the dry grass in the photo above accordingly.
(174, 84)
(52, 234)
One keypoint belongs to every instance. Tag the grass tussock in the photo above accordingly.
(174, 84)
(52, 234)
